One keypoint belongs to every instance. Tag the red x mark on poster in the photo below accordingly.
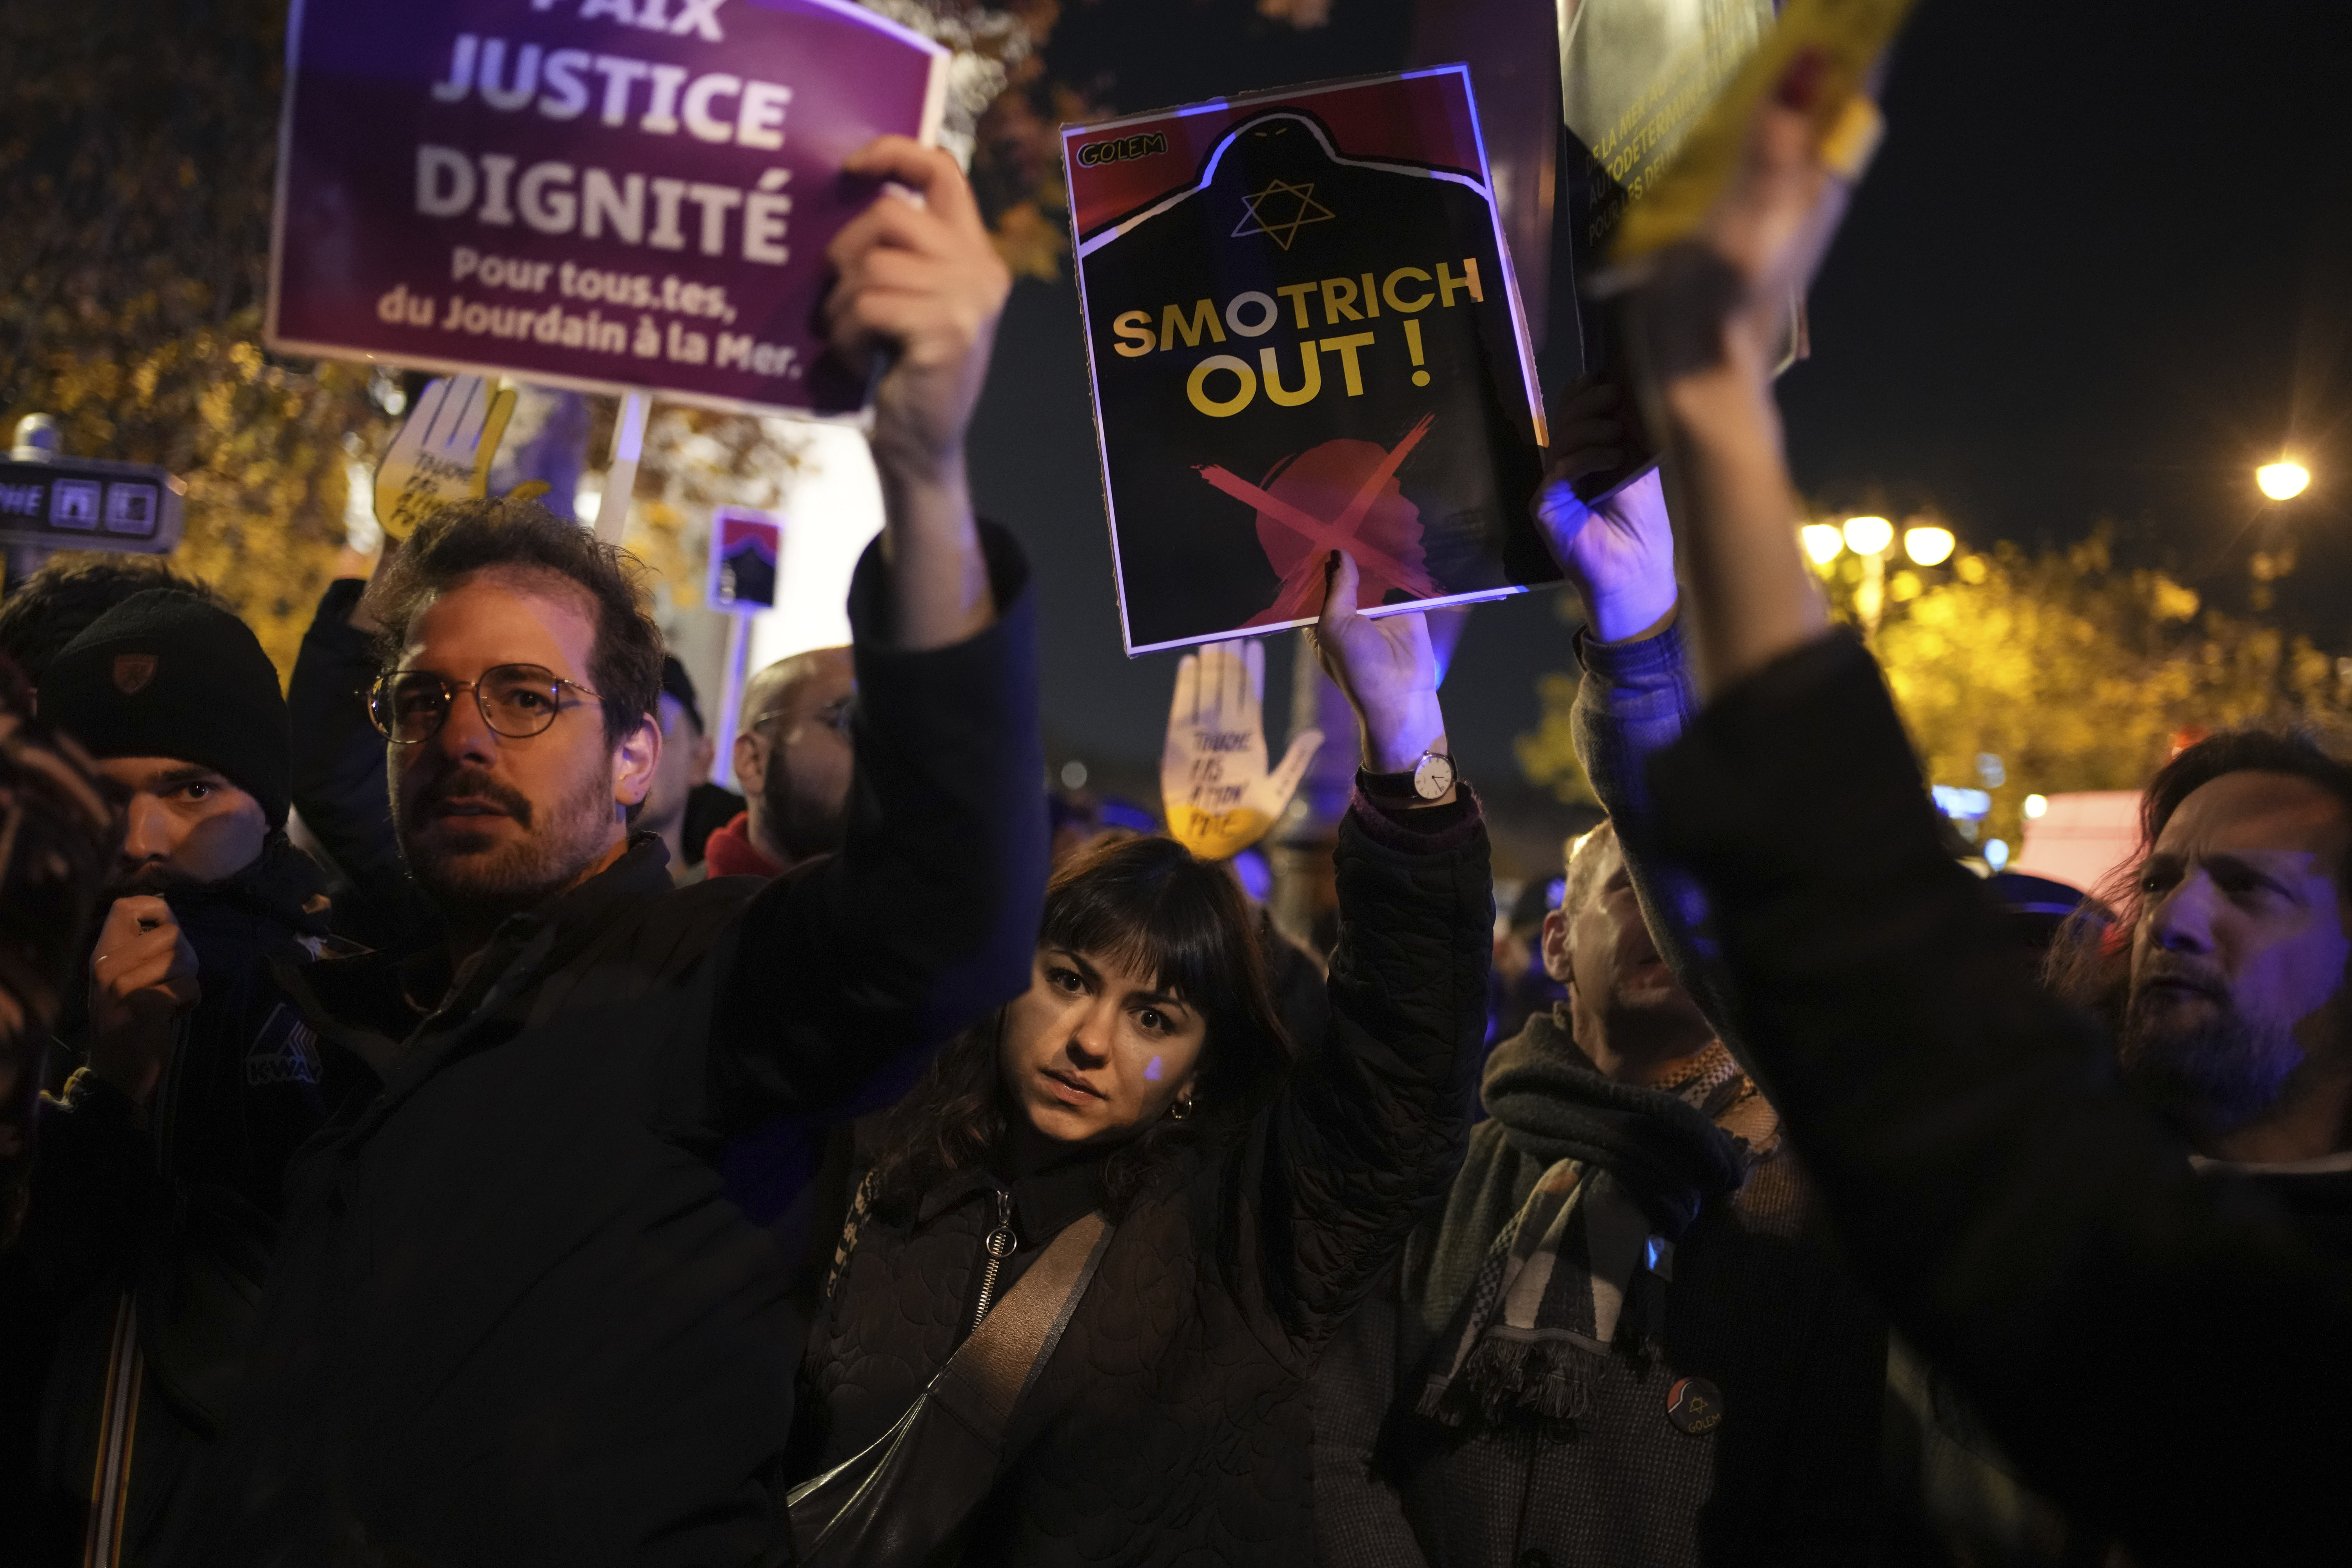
(1302, 586)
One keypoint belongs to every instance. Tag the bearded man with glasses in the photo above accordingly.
(791, 757)
(481, 845)
(515, 1316)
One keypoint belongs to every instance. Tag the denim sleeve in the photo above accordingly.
(1635, 701)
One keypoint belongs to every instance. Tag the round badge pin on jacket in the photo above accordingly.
(1695, 1406)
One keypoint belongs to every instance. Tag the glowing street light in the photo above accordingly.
(1822, 542)
(1869, 538)
(1868, 535)
(1928, 546)
(2035, 805)
(2283, 481)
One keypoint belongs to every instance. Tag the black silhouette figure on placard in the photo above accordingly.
(1393, 423)
(747, 573)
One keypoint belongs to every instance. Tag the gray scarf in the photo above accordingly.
(1536, 1295)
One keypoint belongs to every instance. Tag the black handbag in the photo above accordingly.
(906, 1500)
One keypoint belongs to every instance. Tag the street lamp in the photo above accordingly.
(2283, 481)
(1869, 538)
(1868, 535)
(1822, 542)
(1928, 545)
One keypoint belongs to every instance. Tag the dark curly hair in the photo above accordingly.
(2089, 963)
(1149, 905)
(522, 535)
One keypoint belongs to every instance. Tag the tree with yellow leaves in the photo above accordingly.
(2079, 675)
(2075, 673)
(136, 150)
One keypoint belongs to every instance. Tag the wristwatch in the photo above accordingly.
(1430, 779)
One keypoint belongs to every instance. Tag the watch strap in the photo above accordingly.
(1403, 788)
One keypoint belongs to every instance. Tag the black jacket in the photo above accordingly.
(177, 1212)
(1756, 1305)
(514, 1316)
(2160, 1353)
(1171, 1424)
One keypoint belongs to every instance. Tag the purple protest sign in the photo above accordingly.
(615, 194)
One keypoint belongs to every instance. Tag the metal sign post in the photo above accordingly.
(731, 699)
(747, 551)
(621, 476)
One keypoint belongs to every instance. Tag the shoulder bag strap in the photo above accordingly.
(907, 1498)
(991, 1371)
(861, 1209)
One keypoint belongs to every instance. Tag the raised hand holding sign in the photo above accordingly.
(1387, 669)
(443, 452)
(1213, 781)
(1618, 552)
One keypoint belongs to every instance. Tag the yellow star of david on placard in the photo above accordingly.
(1285, 220)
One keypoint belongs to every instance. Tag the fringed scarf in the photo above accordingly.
(1628, 1170)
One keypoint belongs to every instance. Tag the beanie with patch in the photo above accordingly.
(165, 674)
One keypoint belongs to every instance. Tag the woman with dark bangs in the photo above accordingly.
(1255, 1186)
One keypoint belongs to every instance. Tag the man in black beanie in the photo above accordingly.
(155, 1193)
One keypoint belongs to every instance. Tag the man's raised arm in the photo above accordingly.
(2024, 1220)
(925, 921)
(920, 291)
(1637, 697)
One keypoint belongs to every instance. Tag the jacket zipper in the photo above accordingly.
(163, 1118)
(1000, 1245)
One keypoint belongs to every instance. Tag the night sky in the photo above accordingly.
(2102, 268)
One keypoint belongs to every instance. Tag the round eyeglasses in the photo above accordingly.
(517, 701)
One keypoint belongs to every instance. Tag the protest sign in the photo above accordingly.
(443, 452)
(1635, 75)
(1843, 40)
(1303, 333)
(602, 193)
(745, 547)
(1214, 785)
(1656, 98)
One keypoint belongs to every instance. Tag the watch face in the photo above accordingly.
(1434, 777)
